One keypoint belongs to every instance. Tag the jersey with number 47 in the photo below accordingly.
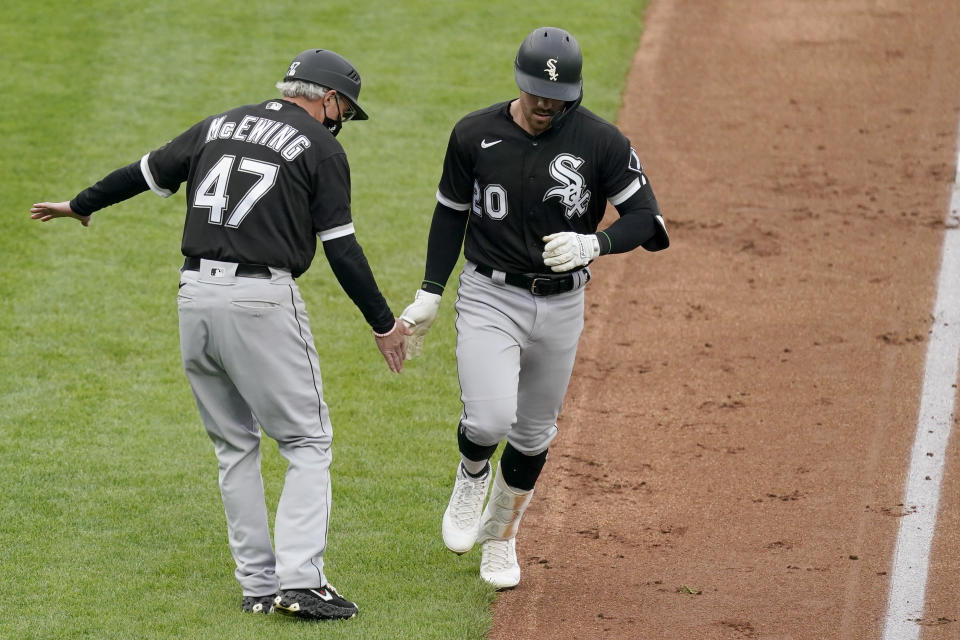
(263, 182)
(517, 188)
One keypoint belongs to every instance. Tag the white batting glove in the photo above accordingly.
(418, 316)
(567, 250)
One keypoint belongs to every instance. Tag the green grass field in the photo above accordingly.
(110, 519)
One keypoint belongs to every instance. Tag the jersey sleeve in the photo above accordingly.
(622, 173)
(117, 186)
(628, 189)
(330, 206)
(350, 266)
(456, 183)
(166, 168)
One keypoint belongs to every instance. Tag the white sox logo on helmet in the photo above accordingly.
(552, 69)
(572, 193)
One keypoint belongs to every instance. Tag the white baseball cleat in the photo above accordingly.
(498, 563)
(461, 520)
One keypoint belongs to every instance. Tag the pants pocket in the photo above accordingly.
(184, 294)
(258, 305)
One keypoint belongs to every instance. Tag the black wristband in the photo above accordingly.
(432, 287)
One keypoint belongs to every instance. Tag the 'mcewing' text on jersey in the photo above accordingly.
(282, 138)
(572, 193)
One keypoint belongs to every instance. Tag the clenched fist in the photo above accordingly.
(567, 250)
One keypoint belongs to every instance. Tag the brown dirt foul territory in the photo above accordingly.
(734, 444)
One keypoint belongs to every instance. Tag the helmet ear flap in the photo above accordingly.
(548, 64)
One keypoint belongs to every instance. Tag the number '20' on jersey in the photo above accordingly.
(518, 188)
(263, 181)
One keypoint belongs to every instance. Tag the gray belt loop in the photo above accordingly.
(280, 276)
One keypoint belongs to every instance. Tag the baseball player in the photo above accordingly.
(524, 188)
(264, 182)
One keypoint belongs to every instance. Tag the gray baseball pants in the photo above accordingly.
(515, 354)
(249, 355)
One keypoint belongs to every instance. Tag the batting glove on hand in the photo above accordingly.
(418, 317)
(567, 250)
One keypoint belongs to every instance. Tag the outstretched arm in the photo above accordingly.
(443, 250)
(443, 247)
(352, 271)
(117, 186)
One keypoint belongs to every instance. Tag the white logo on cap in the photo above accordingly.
(293, 68)
(552, 69)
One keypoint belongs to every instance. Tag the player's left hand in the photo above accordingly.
(567, 250)
(45, 211)
(393, 345)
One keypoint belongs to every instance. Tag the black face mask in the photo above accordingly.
(332, 125)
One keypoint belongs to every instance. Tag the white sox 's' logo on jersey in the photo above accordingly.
(552, 69)
(572, 193)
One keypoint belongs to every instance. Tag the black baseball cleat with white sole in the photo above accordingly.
(321, 603)
(258, 604)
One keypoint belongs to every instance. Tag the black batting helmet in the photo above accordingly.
(548, 65)
(330, 70)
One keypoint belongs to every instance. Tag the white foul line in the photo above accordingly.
(911, 556)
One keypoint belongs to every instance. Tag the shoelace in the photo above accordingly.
(466, 508)
(500, 554)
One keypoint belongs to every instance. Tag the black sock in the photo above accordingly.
(521, 471)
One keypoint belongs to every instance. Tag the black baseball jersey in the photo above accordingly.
(518, 188)
(263, 181)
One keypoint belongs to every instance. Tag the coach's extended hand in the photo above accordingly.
(392, 345)
(46, 211)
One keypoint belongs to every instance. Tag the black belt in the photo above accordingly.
(539, 284)
(243, 270)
